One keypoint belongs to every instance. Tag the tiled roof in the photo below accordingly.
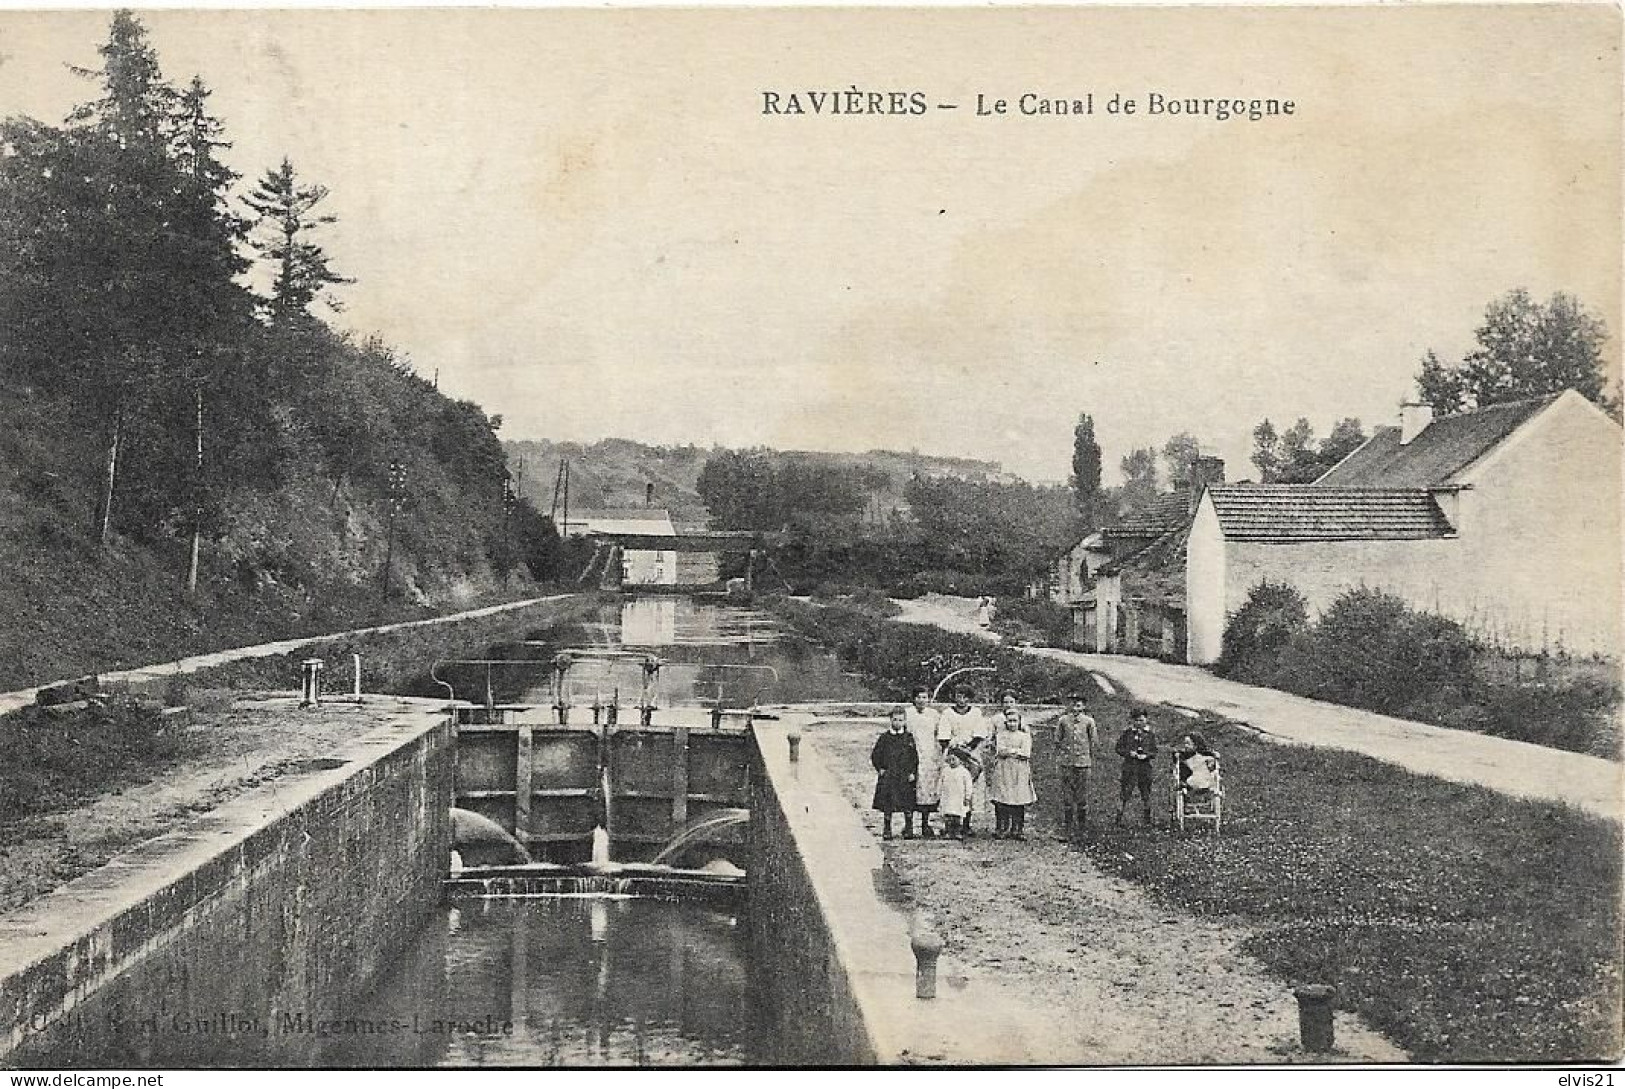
(1166, 513)
(1165, 553)
(1310, 512)
(1444, 448)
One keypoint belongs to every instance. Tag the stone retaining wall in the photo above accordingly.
(226, 943)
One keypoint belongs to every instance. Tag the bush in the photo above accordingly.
(951, 583)
(893, 658)
(1370, 650)
(1374, 652)
(1035, 619)
(1256, 637)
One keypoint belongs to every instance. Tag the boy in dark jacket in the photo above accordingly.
(1137, 745)
(897, 763)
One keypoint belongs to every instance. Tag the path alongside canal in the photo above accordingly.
(1510, 767)
(1122, 979)
(254, 743)
(11, 701)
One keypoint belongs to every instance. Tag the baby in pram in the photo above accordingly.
(1197, 766)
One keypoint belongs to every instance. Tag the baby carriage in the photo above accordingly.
(1198, 787)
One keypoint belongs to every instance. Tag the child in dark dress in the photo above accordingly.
(897, 763)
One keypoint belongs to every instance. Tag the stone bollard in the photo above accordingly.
(927, 946)
(1315, 1016)
(794, 736)
(312, 694)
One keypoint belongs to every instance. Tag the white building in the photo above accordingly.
(640, 567)
(1506, 519)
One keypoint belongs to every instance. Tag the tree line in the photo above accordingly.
(950, 533)
(1524, 348)
(127, 252)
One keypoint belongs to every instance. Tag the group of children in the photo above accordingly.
(949, 762)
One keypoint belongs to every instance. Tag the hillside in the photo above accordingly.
(154, 407)
(616, 472)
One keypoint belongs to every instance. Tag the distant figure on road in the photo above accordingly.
(925, 726)
(984, 612)
(896, 766)
(1137, 745)
(1074, 756)
(1010, 783)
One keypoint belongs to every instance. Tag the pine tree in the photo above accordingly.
(287, 217)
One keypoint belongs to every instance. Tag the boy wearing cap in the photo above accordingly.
(1137, 745)
(1074, 756)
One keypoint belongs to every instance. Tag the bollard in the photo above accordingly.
(312, 694)
(794, 736)
(1315, 1016)
(927, 946)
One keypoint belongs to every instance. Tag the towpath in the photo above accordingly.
(1116, 977)
(11, 701)
(1511, 767)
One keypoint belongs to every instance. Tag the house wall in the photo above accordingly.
(1109, 605)
(1425, 573)
(1540, 529)
(1534, 567)
(1206, 595)
(645, 568)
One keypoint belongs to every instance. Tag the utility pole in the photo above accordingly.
(197, 497)
(106, 520)
(397, 495)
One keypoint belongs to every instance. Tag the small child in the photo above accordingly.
(897, 763)
(1010, 782)
(956, 786)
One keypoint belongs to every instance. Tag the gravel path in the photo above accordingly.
(228, 752)
(1128, 981)
(1511, 767)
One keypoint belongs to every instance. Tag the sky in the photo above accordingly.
(585, 221)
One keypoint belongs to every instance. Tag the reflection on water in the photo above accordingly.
(709, 651)
(664, 621)
(592, 982)
(558, 981)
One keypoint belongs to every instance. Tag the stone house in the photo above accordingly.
(1135, 603)
(1506, 519)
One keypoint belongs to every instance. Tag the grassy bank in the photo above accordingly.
(50, 762)
(1468, 926)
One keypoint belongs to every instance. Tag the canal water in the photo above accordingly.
(592, 981)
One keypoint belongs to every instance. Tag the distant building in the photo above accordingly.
(1506, 519)
(640, 567)
(1136, 604)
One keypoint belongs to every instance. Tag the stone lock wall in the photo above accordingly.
(225, 944)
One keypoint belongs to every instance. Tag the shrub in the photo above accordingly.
(1372, 651)
(1258, 634)
(1034, 618)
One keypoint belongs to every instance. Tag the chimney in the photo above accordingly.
(1414, 417)
(649, 494)
(1206, 470)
